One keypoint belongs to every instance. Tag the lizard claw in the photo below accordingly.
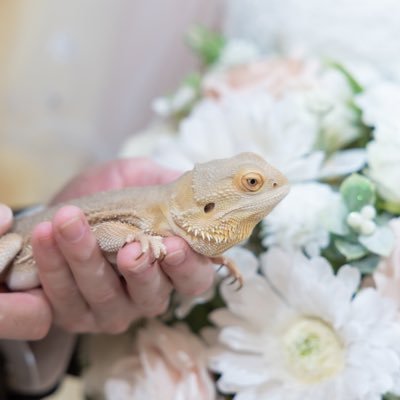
(154, 243)
(237, 279)
(232, 268)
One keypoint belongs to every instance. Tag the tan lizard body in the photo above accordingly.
(213, 207)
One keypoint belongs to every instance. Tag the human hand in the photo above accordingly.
(86, 293)
(26, 315)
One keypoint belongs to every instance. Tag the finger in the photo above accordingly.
(117, 174)
(147, 285)
(70, 309)
(95, 277)
(24, 316)
(189, 272)
(5, 219)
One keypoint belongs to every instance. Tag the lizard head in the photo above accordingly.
(223, 201)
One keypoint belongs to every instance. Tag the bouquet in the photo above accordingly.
(318, 316)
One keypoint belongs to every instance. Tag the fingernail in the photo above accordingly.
(45, 238)
(73, 229)
(175, 258)
(5, 214)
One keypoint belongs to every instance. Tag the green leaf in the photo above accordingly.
(381, 242)
(355, 86)
(335, 220)
(390, 396)
(207, 44)
(366, 265)
(393, 208)
(350, 250)
(357, 191)
(193, 80)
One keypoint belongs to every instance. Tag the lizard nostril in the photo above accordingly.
(274, 184)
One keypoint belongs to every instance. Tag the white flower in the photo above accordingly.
(176, 103)
(298, 222)
(165, 363)
(144, 143)
(298, 333)
(339, 121)
(283, 131)
(273, 107)
(238, 51)
(379, 106)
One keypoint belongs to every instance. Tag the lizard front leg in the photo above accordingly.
(111, 236)
(233, 269)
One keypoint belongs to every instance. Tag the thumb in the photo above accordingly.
(24, 316)
(5, 218)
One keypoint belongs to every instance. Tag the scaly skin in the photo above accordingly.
(213, 207)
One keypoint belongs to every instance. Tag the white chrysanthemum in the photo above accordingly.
(298, 222)
(298, 333)
(284, 131)
(380, 110)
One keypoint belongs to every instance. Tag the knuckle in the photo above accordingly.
(64, 295)
(105, 296)
(115, 327)
(83, 324)
(156, 310)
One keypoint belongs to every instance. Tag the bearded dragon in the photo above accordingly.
(213, 207)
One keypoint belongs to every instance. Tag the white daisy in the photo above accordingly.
(298, 333)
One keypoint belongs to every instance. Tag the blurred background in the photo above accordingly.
(77, 78)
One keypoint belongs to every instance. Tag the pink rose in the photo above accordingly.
(387, 275)
(275, 75)
(167, 363)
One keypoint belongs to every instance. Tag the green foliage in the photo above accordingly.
(350, 250)
(390, 396)
(393, 208)
(207, 44)
(381, 242)
(357, 191)
(366, 265)
(355, 86)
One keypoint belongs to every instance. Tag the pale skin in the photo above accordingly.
(81, 291)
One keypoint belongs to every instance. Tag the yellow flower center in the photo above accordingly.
(313, 351)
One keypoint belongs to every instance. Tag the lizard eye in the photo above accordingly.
(209, 207)
(252, 181)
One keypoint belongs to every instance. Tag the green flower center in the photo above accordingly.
(312, 350)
